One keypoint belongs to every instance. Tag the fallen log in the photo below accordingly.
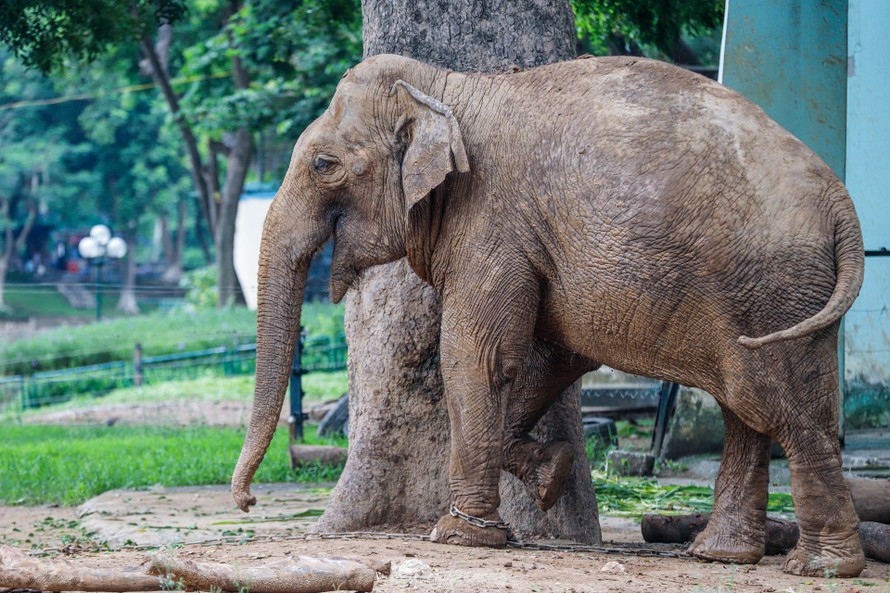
(781, 535)
(871, 498)
(20, 571)
(300, 574)
(303, 455)
(678, 529)
(166, 572)
(875, 538)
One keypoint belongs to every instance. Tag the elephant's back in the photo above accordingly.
(687, 198)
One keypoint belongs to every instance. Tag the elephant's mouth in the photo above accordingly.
(344, 272)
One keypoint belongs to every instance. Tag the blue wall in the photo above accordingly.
(868, 179)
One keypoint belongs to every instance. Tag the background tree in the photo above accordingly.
(656, 28)
(397, 470)
(250, 66)
(40, 151)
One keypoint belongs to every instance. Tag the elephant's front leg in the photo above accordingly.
(486, 335)
(543, 467)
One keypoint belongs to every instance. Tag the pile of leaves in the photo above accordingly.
(635, 497)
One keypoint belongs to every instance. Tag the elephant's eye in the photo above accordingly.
(324, 163)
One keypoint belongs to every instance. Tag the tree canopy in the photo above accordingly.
(141, 105)
(43, 33)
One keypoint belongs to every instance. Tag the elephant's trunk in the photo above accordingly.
(285, 254)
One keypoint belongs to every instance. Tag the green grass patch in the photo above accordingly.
(316, 387)
(26, 300)
(68, 465)
(635, 497)
(322, 386)
(161, 332)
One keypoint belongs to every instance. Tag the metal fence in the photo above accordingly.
(319, 354)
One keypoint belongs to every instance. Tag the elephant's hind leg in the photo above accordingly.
(829, 527)
(544, 468)
(735, 532)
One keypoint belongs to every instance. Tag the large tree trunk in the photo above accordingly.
(396, 475)
(228, 287)
(237, 164)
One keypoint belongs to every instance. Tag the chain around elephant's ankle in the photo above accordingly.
(478, 521)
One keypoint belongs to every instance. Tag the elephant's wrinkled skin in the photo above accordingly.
(601, 211)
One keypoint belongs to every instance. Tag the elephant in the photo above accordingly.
(601, 211)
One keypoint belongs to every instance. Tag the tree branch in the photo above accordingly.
(191, 143)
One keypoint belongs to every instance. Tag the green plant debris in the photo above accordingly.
(635, 497)
(307, 514)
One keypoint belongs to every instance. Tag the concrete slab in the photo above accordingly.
(163, 516)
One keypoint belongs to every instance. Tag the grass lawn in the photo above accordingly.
(317, 387)
(39, 300)
(68, 465)
(161, 332)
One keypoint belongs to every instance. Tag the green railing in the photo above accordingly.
(320, 354)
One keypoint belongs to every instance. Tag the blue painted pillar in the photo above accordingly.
(868, 179)
(789, 57)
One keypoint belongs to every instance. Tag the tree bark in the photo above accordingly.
(237, 165)
(162, 79)
(173, 273)
(396, 475)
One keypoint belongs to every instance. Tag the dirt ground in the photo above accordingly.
(158, 516)
(162, 413)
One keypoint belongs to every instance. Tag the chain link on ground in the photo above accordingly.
(629, 549)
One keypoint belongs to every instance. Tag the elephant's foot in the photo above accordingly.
(546, 471)
(722, 542)
(813, 558)
(456, 531)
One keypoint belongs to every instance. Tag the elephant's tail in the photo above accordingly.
(849, 258)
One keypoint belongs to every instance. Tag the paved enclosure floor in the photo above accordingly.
(171, 515)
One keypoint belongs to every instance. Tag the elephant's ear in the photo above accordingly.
(434, 139)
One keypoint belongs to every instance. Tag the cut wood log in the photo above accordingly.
(678, 529)
(168, 572)
(300, 574)
(875, 538)
(781, 535)
(20, 571)
(301, 455)
(871, 498)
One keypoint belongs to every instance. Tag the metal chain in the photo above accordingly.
(478, 521)
(639, 550)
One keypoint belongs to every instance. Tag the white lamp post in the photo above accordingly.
(98, 248)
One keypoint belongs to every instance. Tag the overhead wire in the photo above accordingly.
(116, 91)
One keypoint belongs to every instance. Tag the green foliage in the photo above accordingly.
(200, 287)
(295, 52)
(67, 465)
(634, 497)
(657, 23)
(42, 33)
